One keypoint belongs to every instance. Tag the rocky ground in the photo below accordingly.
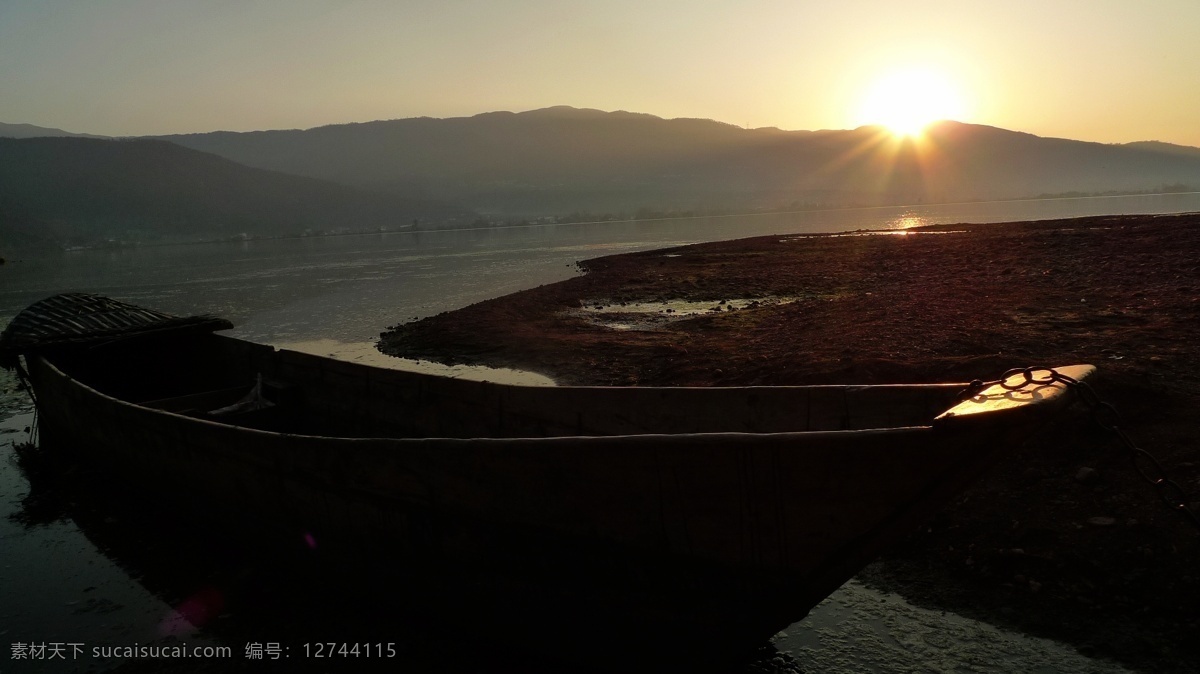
(1064, 539)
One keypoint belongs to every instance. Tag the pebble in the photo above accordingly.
(1085, 475)
(1102, 521)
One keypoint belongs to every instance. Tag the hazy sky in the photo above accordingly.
(1102, 70)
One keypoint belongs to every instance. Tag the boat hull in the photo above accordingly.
(706, 539)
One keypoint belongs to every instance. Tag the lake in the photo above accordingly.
(337, 294)
(349, 288)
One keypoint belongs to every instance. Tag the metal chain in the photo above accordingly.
(1106, 417)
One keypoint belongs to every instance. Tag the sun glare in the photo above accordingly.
(907, 102)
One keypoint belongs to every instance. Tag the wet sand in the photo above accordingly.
(1063, 540)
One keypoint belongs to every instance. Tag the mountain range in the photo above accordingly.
(84, 191)
(444, 172)
(31, 131)
(558, 160)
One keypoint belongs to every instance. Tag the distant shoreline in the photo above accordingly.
(623, 219)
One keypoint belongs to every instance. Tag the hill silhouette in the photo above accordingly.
(563, 159)
(80, 190)
(31, 131)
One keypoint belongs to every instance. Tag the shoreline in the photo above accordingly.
(623, 219)
(1063, 539)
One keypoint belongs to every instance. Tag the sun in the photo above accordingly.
(908, 101)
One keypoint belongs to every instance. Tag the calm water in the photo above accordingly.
(350, 288)
(57, 585)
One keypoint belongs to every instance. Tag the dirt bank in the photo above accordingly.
(1064, 539)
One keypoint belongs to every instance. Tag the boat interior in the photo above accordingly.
(232, 381)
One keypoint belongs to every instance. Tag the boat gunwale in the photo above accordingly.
(724, 435)
(501, 385)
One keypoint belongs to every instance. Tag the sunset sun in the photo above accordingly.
(906, 102)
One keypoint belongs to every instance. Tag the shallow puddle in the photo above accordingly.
(365, 353)
(655, 314)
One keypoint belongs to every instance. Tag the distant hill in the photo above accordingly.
(80, 190)
(559, 160)
(31, 131)
(1168, 148)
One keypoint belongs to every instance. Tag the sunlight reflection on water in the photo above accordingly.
(907, 221)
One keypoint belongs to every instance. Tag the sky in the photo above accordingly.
(1098, 70)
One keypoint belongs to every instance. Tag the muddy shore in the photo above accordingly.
(1062, 540)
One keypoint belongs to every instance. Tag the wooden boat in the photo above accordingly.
(711, 516)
